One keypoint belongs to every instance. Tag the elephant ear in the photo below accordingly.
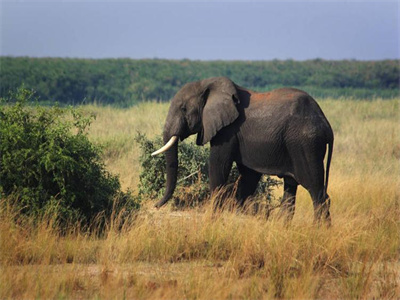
(220, 107)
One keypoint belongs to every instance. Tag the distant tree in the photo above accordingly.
(124, 82)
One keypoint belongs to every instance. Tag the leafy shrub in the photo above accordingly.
(192, 172)
(49, 164)
(192, 184)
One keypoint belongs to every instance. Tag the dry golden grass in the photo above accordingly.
(164, 254)
(116, 129)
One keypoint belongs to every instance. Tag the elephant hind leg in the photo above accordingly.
(321, 202)
(314, 183)
(309, 172)
(289, 198)
(315, 186)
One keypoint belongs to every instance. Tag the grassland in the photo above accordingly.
(165, 254)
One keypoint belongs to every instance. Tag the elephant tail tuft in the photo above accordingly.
(328, 164)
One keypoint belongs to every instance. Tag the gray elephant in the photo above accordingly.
(282, 132)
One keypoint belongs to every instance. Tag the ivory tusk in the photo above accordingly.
(168, 145)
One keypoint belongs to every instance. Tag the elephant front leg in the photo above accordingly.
(247, 183)
(220, 165)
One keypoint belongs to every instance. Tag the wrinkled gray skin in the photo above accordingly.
(282, 132)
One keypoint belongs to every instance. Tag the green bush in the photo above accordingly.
(192, 184)
(49, 164)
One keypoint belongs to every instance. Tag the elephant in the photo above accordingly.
(282, 132)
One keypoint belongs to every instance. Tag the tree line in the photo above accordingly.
(124, 82)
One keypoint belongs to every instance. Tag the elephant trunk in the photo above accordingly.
(171, 156)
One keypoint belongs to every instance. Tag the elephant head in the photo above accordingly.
(202, 107)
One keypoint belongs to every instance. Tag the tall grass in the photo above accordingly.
(115, 129)
(164, 254)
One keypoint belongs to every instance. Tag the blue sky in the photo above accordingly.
(203, 30)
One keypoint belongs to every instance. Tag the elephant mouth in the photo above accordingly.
(199, 138)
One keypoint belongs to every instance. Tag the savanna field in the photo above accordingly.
(194, 254)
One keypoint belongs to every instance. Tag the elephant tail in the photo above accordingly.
(328, 164)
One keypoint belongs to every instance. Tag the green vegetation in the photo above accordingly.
(48, 169)
(124, 82)
(192, 185)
